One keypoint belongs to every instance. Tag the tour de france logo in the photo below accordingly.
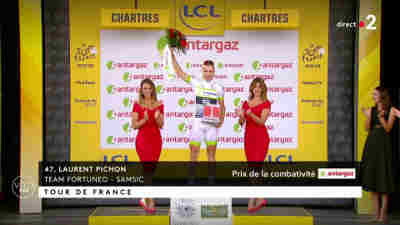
(312, 55)
(23, 187)
(84, 53)
(185, 208)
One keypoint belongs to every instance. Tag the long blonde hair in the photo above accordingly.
(153, 92)
(263, 88)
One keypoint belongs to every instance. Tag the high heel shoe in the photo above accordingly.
(143, 204)
(250, 209)
(263, 203)
(152, 209)
(383, 220)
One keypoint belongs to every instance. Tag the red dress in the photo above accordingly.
(148, 139)
(256, 137)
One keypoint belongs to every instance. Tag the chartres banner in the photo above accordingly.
(267, 18)
(135, 18)
(114, 47)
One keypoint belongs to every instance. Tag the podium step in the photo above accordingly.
(136, 215)
(272, 216)
(128, 216)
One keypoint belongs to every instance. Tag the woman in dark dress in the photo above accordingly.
(377, 171)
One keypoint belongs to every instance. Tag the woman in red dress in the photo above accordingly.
(148, 117)
(254, 114)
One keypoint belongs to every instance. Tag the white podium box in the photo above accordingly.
(201, 211)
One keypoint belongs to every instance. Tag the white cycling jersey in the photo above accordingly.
(207, 96)
(207, 93)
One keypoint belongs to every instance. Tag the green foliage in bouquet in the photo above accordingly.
(175, 39)
(161, 43)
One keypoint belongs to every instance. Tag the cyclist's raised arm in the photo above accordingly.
(182, 75)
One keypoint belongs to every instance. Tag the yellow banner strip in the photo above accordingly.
(31, 69)
(265, 18)
(135, 18)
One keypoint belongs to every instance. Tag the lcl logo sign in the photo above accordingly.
(207, 11)
(198, 17)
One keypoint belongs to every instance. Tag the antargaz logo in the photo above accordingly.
(127, 128)
(182, 102)
(171, 76)
(110, 89)
(237, 77)
(237, 102)
(110, 65)
(193, 65)
(110, 140)
(336, 173)
(237, 128)
(159, 89)
(127, 102)
(256, 65)
(110, 114)
(183, 127)
(126, 77)
(156, 65)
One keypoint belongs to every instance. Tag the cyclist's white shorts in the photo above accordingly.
(203, 132)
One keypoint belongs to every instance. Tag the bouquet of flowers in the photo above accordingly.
(174, 39)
